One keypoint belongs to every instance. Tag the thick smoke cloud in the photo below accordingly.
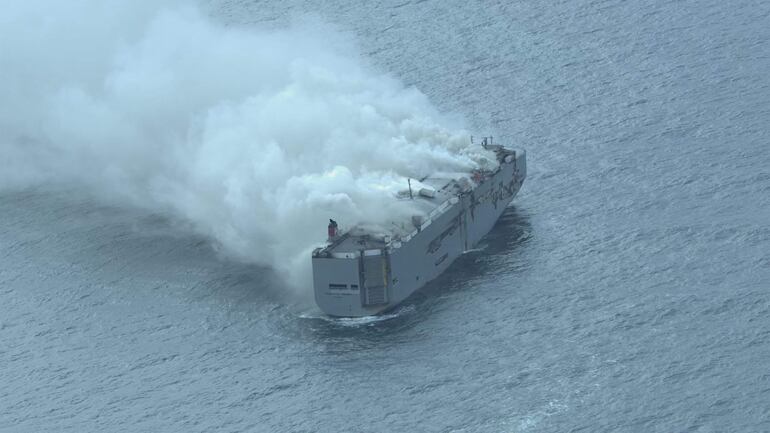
(255, 137)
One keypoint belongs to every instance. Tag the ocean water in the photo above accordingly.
(626, 289)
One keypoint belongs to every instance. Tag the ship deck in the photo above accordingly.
(444, 186)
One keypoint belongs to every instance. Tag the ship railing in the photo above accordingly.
(397, 241)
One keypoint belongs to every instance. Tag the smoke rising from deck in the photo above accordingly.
(254, 137)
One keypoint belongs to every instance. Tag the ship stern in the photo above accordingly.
(351, 284)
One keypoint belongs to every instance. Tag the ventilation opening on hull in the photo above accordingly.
(340, 287)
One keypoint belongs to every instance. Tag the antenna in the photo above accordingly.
(409, 180)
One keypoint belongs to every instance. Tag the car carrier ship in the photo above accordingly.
(362, 273)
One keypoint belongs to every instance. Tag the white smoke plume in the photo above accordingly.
(255, 137)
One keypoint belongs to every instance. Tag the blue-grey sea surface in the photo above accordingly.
(626, 289)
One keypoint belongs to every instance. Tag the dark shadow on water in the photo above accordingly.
(509, 236)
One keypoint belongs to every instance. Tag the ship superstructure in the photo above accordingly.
(363, 272)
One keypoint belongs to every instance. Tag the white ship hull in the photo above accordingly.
(367, 277)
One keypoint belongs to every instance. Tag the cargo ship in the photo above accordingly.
(363, 273)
